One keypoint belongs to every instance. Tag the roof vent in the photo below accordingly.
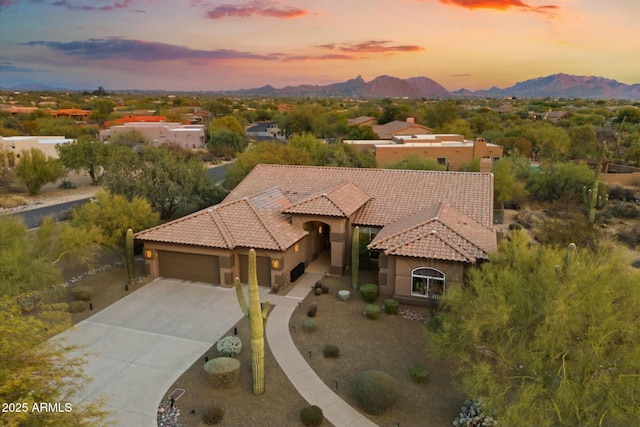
(209, 210)
(433, 231)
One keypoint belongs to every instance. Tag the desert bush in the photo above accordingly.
(309, 325)
(369, 292)
(375, 391)
(391, 306)
(567, 227)
(12, 202)
(419, 374)
(84, 293)
(230, 346)
(222, 372)
(317, 291)
(621, 193)
(77, 306)
(372, 311)
(325, 289)
(619, 209)
(629, 236)
(559, 181)
(331, 351)
(515, 226)
(313, 309)
(471, 415)
(65, 184)
(213, 415)
(311, 416)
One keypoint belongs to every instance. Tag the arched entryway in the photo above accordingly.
(318, 240)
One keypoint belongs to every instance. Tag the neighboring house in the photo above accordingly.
(450, 150)
(186, 136)
(72, 113)
(423, 228)
(265, 131)
(47, 144)
(137, 118)
(363, 121)
(397, 127)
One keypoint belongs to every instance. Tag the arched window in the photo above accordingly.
(427, 282)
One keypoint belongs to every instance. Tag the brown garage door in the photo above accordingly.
(263, 266)
(193, 267)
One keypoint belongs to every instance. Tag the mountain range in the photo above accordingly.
(554, 86)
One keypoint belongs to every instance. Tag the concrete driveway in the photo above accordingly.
(144, 342)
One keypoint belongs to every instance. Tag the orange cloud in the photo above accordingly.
(372, 46)
(260, 8)
(498, 4)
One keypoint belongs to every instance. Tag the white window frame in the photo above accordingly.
(425, 281)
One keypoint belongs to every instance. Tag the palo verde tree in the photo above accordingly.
(35, 169)
(547, 337)
(85, 154)
(36, 370)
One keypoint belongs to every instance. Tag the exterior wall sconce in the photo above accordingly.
(296, 248)
(320, 230)
(148, 253)
(275, 264)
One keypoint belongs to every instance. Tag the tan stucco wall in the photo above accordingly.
(456, 156)
(628, 179)
(338, 236)
(397, 276)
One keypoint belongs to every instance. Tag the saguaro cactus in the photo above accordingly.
(258, 318)
(596, 196)
(131, 264)
(355, 257)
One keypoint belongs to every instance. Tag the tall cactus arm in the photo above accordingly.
(240, 294)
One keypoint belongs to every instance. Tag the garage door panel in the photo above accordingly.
(263, 265)
(186, 266)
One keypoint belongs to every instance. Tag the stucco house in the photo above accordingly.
(421, 228)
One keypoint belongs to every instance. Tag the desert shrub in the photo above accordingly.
(84, 293)
(317, 291)
(629, 236)
(471, 415)
(230, 346)
(623, 194)
(567, 227)
(391, 306)
(313, 309)
(77, 306)
(309, 325)
(369, 292)
(12, 201)
(375, 391)
(529, 219)
(559, 181)
(213, 415)
(331, 351)
(419, 374)
(372, 311)
(318, 285)
(619, 209)
(65, 184)
(325, 289)
(222, 372)
(515, 226)
(311, 416)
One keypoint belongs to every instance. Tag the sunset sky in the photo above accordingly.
(218, 45)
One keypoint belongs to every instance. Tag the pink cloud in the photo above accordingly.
(124, 4)
(499, 5)
(259, 8)
(372, 46)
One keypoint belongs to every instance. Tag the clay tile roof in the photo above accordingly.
(394, 194)
(235, 224)
(341, 201)
(437, 232)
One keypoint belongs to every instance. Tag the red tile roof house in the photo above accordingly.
(425, 228)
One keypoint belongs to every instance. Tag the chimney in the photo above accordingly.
(411, 120)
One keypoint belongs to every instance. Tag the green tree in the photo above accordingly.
(35, 370)
(84, 154)
(547, 337)
(226, 136)
(415, 162)
(506, 186)
(583, 142)
(559, 181)
(111, 215)
(267, 153)
(35, 169)
(31, 260)
(316, 148)
(130, 138)
(363, 132)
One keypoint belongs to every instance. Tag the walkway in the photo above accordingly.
(303, 378)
